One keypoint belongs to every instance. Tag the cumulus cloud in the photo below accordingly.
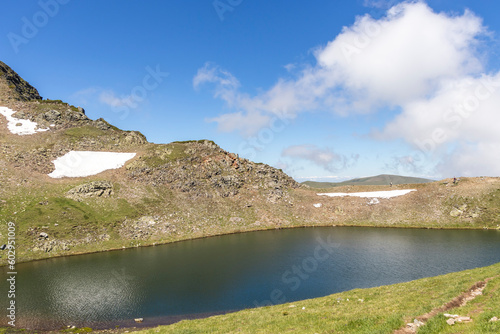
(413, 59)
(389, 61)
(472, 159)
(404, 55)
(323, 157)
(464, 109)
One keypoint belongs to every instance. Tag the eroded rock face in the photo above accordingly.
(91, 189)
(135, 137)
(52, 116)
(21, 90)
(203, 169)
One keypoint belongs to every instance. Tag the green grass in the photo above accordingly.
(53, 101)
(58, 102)
(382, 310)
(40, 211)
(481, 310)
(159, 155)
(201, 141)
(84, 131)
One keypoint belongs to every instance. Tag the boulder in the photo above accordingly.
(52, 116)
(101, 124)
(75, 116)
(135, 137)
(91, 189)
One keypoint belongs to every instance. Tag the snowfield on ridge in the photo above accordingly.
(372, 194)
(18, 126)
(87, 163)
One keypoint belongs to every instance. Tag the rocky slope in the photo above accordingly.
(183, 183)
(180, 190)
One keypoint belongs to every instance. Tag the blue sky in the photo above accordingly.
(325, 90)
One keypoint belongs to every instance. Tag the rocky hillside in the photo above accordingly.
(180, 190)
(198, 176)
(14, 87)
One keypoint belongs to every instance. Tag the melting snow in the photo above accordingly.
(19, 126)
(372, 194)
(86, 163)
(318, 205)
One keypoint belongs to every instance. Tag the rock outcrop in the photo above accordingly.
(203, 169)
(91, 189)
(19, 88)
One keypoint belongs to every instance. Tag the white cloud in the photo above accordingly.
(109, 98)
(323, 157)
(83, 96)
(465, 109)
(472, 159)
(389, 61)
(404, 55)
(226, 84)
(423, 63)
(246, 123)
(462, 118)
(379, 3)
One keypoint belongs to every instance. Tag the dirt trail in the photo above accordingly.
(461, 300)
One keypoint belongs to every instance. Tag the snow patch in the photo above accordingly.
(318, 205)
(18, 126)
(87, 163)
(372, 194)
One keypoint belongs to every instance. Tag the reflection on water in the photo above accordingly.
(235, 272)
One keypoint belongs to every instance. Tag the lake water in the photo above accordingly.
(169, 282)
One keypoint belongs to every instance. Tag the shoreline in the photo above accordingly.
(150, 323)
(252, 230)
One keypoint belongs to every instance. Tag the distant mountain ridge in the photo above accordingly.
(379, 180)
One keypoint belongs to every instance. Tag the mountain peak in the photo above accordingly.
(15, 87)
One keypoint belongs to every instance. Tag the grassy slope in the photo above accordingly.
(382, 310)
(39, 205)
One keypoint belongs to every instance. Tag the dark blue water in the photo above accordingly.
(235, 272)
